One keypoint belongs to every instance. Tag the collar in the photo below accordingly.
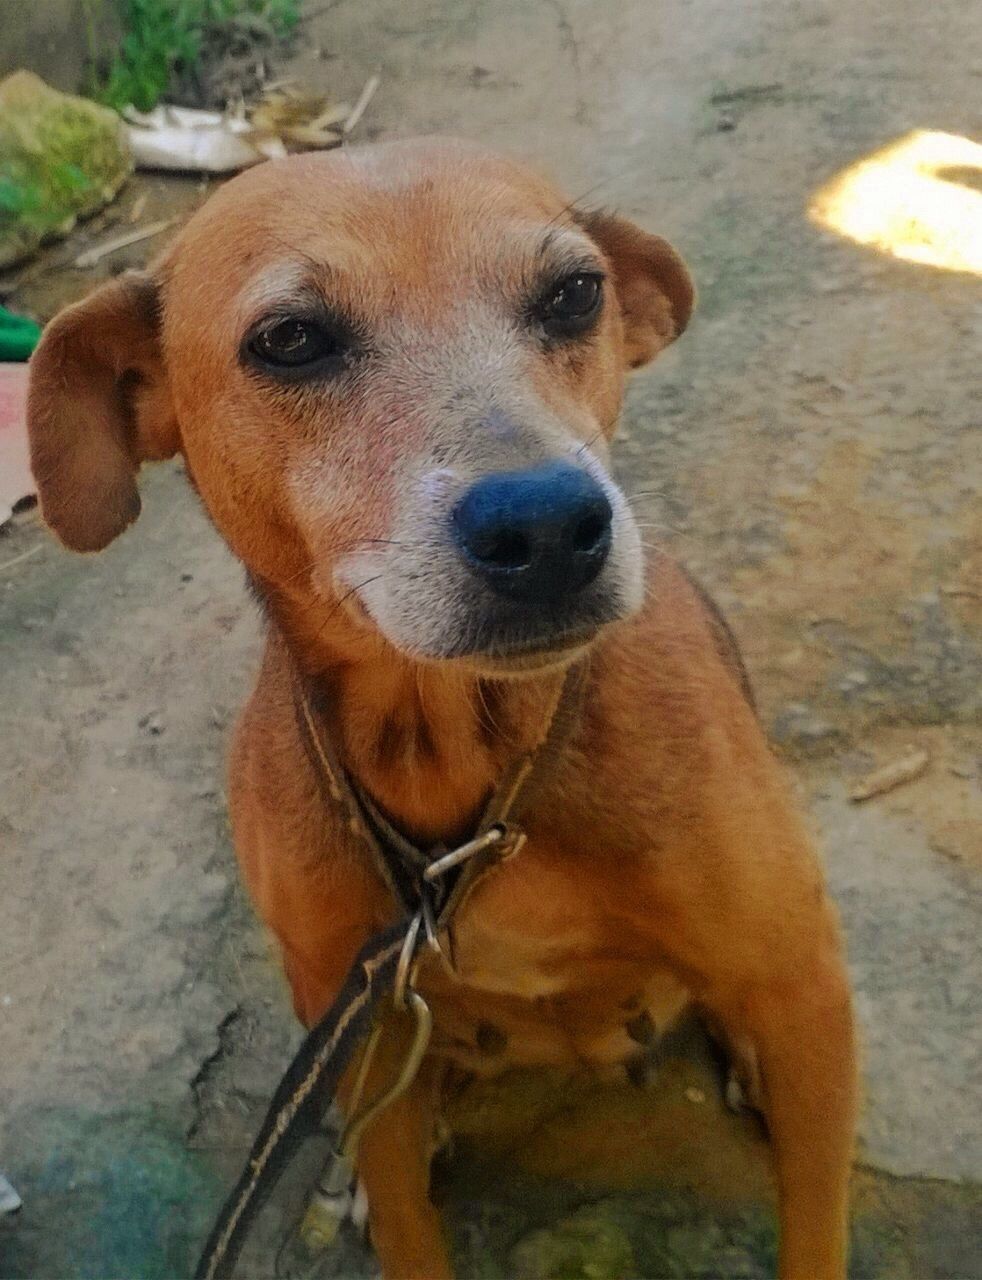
(434, 881)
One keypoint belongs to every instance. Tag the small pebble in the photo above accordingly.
(10, 1201)
(695, 1095)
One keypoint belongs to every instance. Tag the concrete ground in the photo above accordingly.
(811, 448)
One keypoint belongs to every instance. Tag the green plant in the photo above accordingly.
(160, 36)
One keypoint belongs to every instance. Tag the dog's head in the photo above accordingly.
(393, 372)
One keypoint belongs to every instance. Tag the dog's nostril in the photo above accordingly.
(591, 532)
(503, 549)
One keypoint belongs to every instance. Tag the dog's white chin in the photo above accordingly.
(498, 666)
(433, 636)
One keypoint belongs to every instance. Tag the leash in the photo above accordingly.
(299, 1102)
(429, 887)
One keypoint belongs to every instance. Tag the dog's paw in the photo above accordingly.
(743, 1090)
(359, 1213)
(733, 1094)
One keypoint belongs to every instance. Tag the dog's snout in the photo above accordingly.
(535, 536)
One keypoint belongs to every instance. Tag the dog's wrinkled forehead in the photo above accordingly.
(409, 230)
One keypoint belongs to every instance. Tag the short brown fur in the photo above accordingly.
(665, 864)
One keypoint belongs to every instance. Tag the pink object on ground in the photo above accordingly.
(16, 481)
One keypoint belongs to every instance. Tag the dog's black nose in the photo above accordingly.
(535, 536)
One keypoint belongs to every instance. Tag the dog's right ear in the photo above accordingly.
(98, 405)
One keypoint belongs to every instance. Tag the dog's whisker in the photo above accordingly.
(353, 544)
(572, 207)
(631, 498)
(588, 444)
(339, 602)
(661, 535)
(488, 719)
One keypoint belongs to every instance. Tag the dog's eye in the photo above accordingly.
(571, 306)
(295, 343)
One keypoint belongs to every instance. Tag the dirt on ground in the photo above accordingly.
(811, 449)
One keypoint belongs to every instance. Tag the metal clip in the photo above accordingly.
(329, 1205)
(331, 1201)
(404, 996)
(440, 866)
(405, 967)
(429, 924)
(359, 1122)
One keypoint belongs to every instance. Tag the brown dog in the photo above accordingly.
(393, 373)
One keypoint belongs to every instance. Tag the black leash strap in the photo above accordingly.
(303, 1095)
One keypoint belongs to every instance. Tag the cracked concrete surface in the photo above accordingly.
(810, 448)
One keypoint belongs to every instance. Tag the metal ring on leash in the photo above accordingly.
(356, 1126)
(406, 957)
(440, 866)
(429, 923)
(331, 1200)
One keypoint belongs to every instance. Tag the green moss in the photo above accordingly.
(61, 158)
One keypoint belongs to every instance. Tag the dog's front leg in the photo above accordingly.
(393, 1162)
(805, 1042)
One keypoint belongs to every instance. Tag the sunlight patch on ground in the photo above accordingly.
(919, 199)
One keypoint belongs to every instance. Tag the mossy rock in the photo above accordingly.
(588, 1245)
(61, 158)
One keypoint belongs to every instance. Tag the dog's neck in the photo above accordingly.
(431, 746)
(429, 742)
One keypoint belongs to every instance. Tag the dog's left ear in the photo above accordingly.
(652, 284)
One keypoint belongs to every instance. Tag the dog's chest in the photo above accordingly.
(550, 970)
